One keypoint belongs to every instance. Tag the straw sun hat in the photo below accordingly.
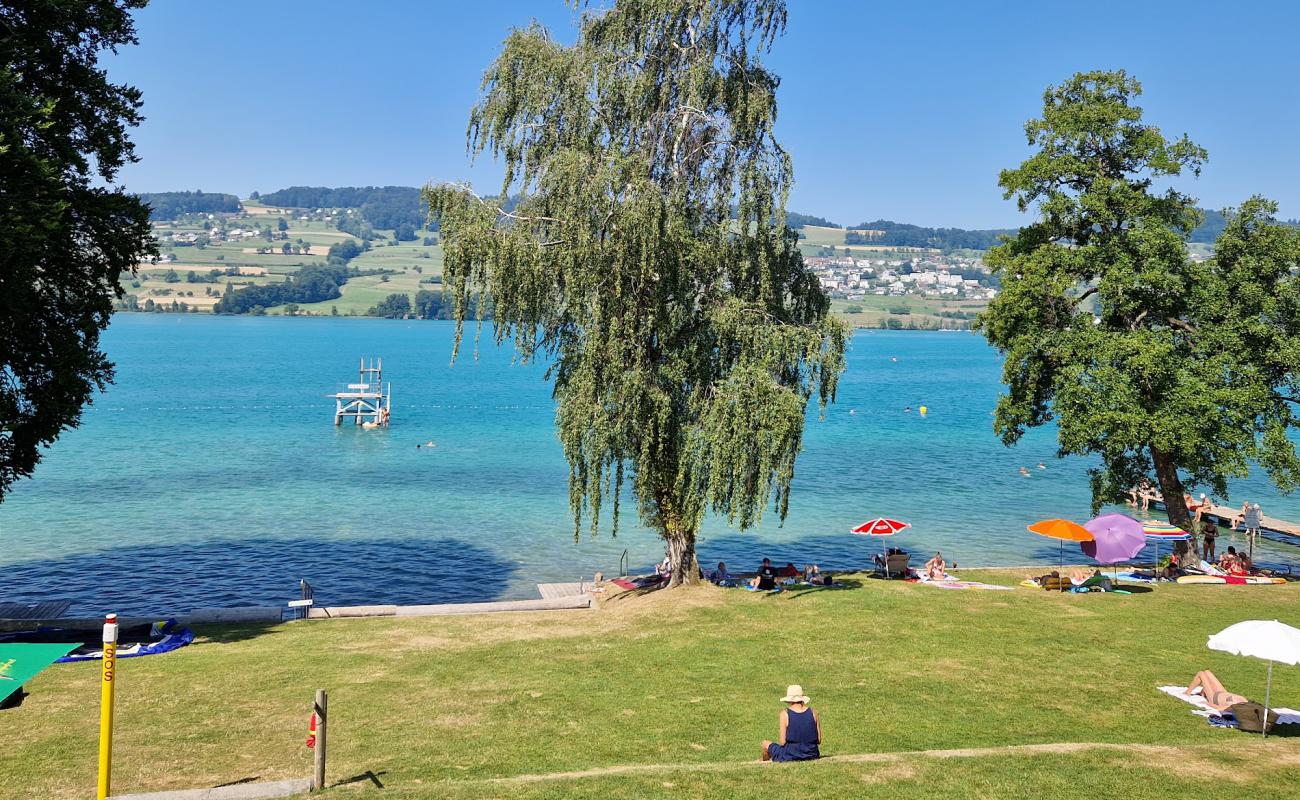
(794, 694)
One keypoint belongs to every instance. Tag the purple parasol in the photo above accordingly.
(1118, 537)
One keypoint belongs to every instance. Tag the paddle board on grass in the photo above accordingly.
(1236, 580)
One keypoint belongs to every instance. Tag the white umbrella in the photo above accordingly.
(1267, 639)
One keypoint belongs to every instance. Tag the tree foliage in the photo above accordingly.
(384, 207)
(66, 234)
(685, 345)
(1185, 370)
(311, 284)
(173, 205)
(902, 234)
(394, 306)
(796, 220)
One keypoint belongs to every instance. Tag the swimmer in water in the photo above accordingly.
(1041, 465)
(1024, 471)
(907, 410)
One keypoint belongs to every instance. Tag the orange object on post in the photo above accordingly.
(311, 732)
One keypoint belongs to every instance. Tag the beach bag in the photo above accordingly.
(1250, 717)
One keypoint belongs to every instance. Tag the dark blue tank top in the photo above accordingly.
(801, 734)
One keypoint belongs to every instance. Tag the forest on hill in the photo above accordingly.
(384, 207)
(171, 205)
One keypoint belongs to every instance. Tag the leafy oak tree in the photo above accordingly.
(1158, 364)
(685, 345)
(64, 240)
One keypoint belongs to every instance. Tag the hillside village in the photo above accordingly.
(931, 275)
(203, 254)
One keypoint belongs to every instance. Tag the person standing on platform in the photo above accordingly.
(1252, 519)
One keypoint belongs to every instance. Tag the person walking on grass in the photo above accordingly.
(800, 730)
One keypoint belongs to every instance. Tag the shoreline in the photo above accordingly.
(208, 314)
(581, 599)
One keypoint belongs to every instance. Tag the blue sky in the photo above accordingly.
(902, 110)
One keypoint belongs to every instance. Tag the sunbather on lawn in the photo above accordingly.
(1216, 697)
(765, 580)
(1052, 579)
(936, 569)
(800, 730)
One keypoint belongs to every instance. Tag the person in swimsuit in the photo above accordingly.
(1202, 506)
(1240, 517)
(1209, 533)
(800, 730)
(936, 569)
(1216, 697)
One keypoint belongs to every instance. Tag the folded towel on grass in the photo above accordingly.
(956, 584)
(1285, 716)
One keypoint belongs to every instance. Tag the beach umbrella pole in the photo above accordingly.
(1268, 691)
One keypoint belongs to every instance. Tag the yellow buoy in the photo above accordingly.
(923, 410)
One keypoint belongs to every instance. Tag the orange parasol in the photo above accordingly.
(1064, 531)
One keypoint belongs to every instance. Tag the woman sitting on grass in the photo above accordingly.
(1235, 563)
(1216, 697)
(800, 730)
(936, 569)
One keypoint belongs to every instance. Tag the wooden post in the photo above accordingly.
(322, 728)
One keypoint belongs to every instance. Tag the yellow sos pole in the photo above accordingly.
(106, 705)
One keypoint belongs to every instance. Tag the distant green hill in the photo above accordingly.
(385, 207)
(170, 205)
(394, 207)
(887, 232)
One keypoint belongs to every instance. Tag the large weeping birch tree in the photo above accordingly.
(646, 258)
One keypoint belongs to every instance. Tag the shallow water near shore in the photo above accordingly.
(210, 473)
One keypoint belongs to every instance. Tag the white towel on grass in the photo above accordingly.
(1285, 716)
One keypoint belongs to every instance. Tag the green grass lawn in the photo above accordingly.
(360, 294)
(405, 255)
(816, 238)
(922, 693)
(876, 308)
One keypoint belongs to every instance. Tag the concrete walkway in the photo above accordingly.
(235, 791)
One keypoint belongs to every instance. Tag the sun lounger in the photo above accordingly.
(895, 565)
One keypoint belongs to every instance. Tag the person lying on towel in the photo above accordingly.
(1083, 580)
(1052, 579)
(800, 731)
(1216, 697)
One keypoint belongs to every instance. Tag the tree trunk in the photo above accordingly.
(1171, 489)
(681, 555)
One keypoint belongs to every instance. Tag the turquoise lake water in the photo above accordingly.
(211, 474)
